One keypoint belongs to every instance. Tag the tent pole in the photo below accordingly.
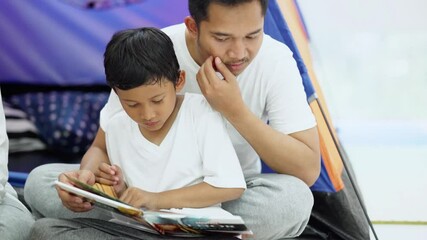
(347, 170)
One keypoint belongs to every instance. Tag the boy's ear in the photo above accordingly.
(191, 25)
(181, 81)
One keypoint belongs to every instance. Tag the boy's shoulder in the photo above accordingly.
(197, 104)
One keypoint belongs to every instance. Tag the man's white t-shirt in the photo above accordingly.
(197, 148)
(271, 87)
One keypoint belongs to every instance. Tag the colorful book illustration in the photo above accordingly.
(185, 222)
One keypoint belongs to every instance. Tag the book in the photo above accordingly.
(185, 222)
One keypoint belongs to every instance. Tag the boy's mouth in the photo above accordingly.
(151, 124)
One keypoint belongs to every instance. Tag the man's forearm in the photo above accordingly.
(296, 154)
(93, 159)
(96, 154)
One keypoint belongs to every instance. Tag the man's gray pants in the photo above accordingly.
(273, 206)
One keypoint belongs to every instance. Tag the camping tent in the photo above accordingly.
(56, 48)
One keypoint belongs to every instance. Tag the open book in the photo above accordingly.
(185, 222)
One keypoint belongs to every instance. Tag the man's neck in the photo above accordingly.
(191, 46)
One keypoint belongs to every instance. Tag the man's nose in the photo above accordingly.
(237, 50)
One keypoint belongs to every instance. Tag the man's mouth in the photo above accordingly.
(236, 66)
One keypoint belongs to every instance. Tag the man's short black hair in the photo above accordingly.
(199, 8)
(141, 56)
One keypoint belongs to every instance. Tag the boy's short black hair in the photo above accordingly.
(141, 56)
(199, 8)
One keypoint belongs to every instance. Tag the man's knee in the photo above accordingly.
(42, 177)
(42, 229)
(39, 191)
(288, 210)
(16, 221)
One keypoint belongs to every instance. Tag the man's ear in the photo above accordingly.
(191, 25)
(181, 81)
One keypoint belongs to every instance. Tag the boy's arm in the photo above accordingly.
(196, 196)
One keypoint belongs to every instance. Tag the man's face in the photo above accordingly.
(149, 105)
(233, 34)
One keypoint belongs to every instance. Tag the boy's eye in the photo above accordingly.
(132, 105)
(157, 101)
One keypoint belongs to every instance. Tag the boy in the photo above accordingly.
(167, 150)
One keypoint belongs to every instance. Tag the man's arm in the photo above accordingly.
(96, 154)
(296, 154)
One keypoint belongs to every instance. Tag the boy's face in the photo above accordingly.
(150, 105)
(232, 33)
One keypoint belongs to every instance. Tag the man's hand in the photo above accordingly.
(73, 202)
(222, 94)
(139, 198)
(111, 175)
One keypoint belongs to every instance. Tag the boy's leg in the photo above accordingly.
(41, 195)
(15, 221)
(274, 206)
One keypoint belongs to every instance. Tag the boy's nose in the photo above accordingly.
(147, 114)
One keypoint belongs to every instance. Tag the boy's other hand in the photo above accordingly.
(139, 198)
(111, 175)
(71, 201)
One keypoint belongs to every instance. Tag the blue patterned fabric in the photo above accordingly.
(66, 120)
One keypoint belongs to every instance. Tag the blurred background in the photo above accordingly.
(370, 59)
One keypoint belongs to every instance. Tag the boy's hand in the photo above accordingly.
(111, 175)
(139, 198)
(69, 200)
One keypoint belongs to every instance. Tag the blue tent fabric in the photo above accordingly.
(66, 120)
(276, 27)
(56, 43)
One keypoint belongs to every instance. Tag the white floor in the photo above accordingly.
(401, 232)
(390, 163)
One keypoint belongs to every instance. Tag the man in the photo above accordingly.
(15, 220)
(256, 81)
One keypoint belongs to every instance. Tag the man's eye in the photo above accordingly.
(132, 105)
(252, 36)
(158, 101)
(221, 39)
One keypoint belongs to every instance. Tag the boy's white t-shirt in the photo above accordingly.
(271, 86)
(197, 148)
